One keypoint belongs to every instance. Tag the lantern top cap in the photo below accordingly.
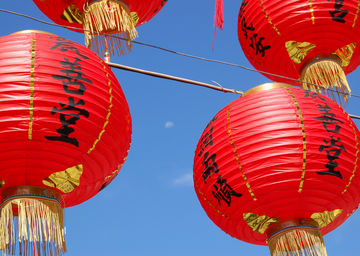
(33, 31)
(264, 87)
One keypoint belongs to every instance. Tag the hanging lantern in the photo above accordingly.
(109, 25)
(65, 130)
(315, 41)
(279, 167)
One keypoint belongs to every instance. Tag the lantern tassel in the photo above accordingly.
(320, 75)
(219, 14)
(297, 241)
(218, 18)
(34, 224)
(105, 17)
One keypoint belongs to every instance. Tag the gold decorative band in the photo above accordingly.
(357, 14)
(32, 71)
(264, 87)
(357, 154)
(237, 156)
(303, 138)
(288, 224)
(28, 191)
(208, 202)
(312, 12)
(33, 31)
(267, 17)
(108, 114)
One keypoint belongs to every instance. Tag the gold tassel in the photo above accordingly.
(33, 223)
(322, 74)
(297, 241)
(104, 17)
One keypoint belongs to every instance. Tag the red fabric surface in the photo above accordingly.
(265, 26)
(76, 101)
(55, 8)
(268, 132)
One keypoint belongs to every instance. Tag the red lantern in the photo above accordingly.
(65, 130)
(101, 18)
(280, 166)
(315, 41)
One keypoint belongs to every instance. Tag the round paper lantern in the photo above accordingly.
(315, 41)
(101, 18)
(65, 130)
(279, 166)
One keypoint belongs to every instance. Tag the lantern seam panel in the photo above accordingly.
(237, 155)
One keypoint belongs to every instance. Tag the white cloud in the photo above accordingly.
(184, 180)
(169, 124)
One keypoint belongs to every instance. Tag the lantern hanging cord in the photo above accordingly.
(175, 78)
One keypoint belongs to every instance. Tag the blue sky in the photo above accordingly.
(151, 208)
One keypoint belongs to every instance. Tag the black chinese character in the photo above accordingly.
(313, 95)
(69, 115)
(329, 120)
(206, 140)
(242, 9)
(211, 121)
(257, 45)
(65, 45)
(245, 28)
(333, 151)
(338, 14)
(72, 77)
(223, 191)
(210, 165)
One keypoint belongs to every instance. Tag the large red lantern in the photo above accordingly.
(101, 18)
(315, 41)
(65, 130)
(279, 166)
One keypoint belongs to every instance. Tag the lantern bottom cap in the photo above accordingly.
(31, 222)
(296, 238)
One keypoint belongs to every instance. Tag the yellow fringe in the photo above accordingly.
(108, 17)
(325, 74)
(300, 241)
(34, 224)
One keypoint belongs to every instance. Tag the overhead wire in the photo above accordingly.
(151, 73)
(170, 51)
